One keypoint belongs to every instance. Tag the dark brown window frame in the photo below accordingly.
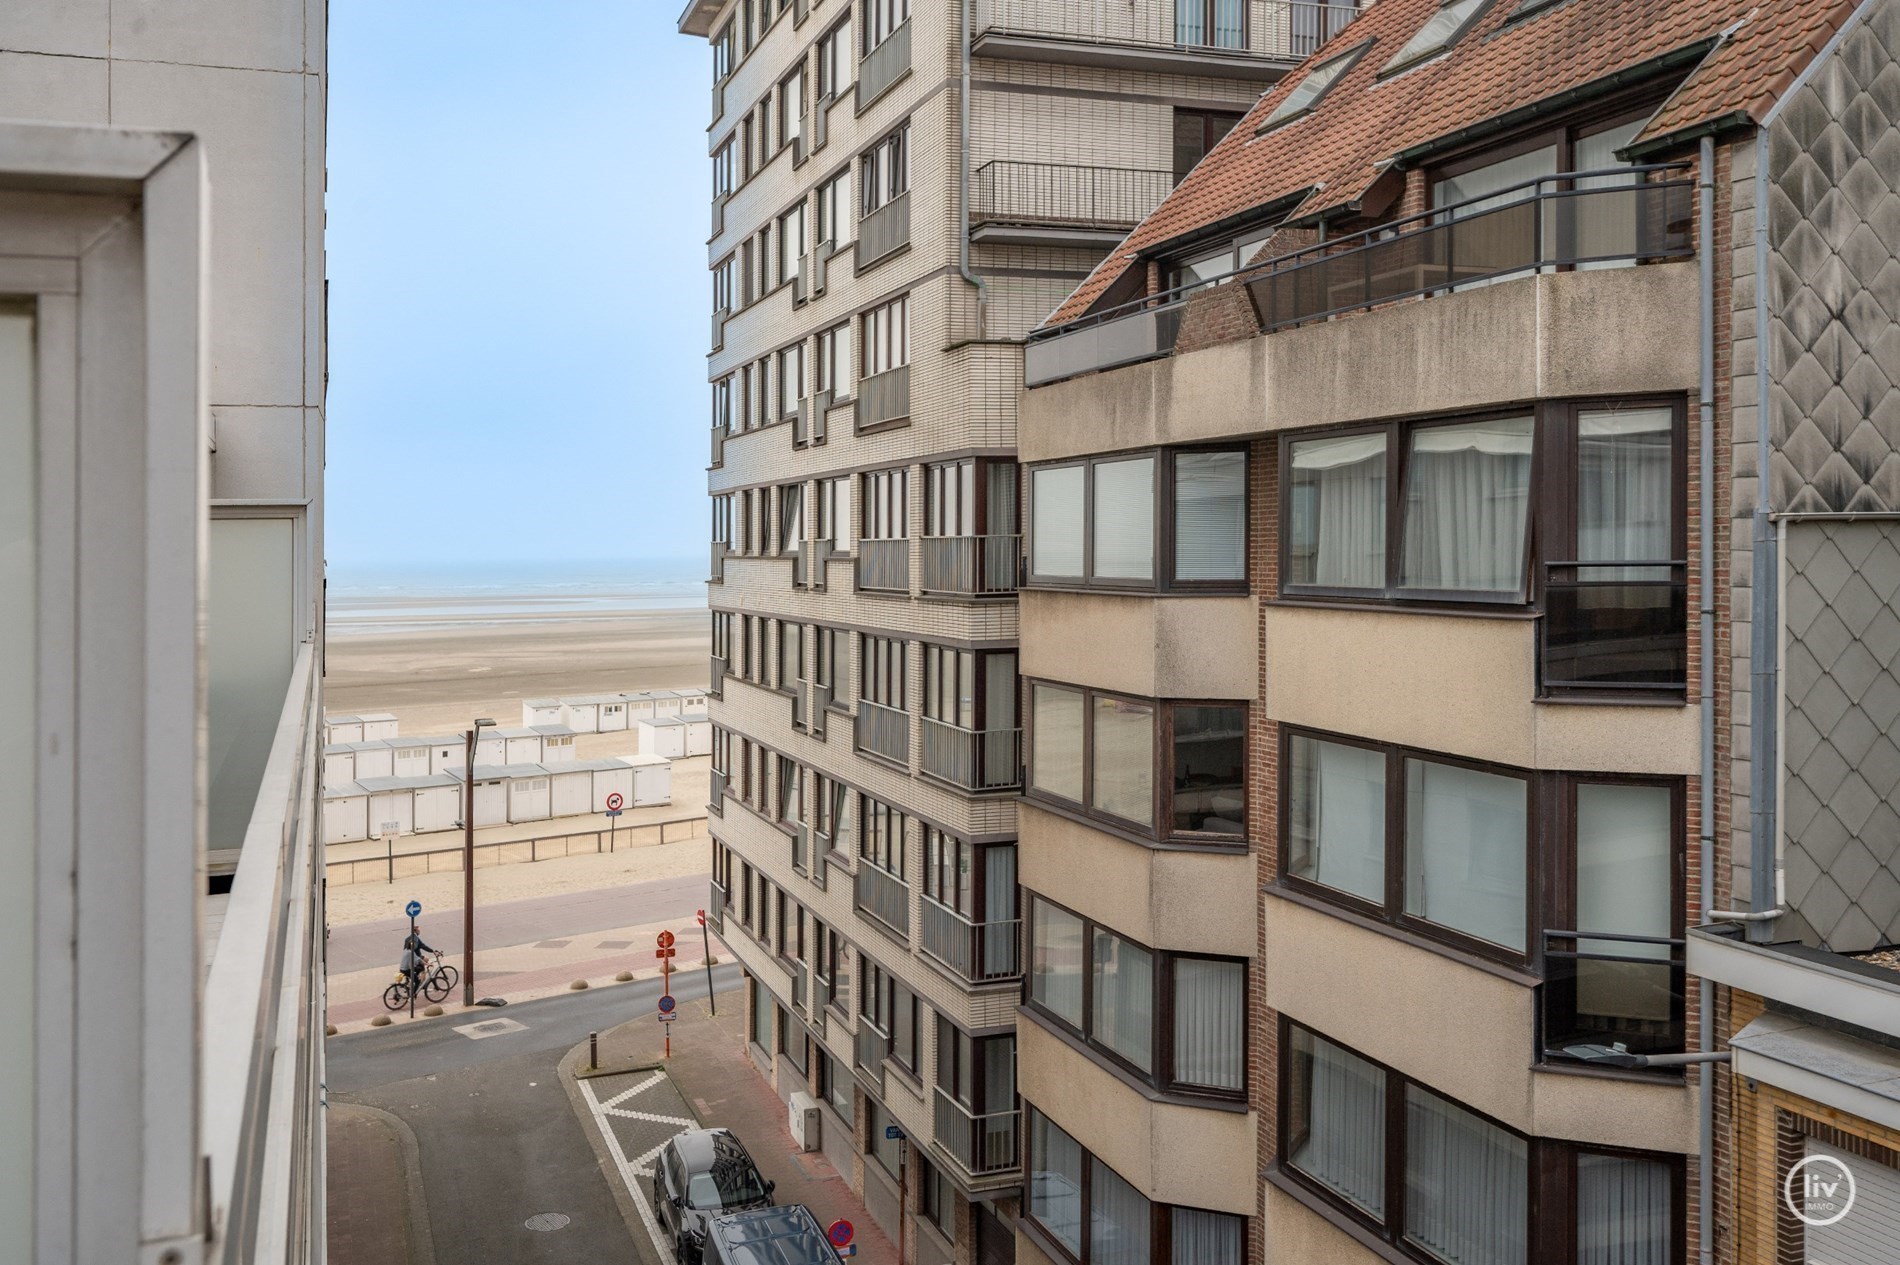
(1161, 829)
(1550, 1170)
(1160, 1076)
(1163, 543)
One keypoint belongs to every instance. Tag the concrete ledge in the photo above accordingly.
(1152, 646)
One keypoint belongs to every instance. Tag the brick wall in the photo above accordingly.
(1263, 820)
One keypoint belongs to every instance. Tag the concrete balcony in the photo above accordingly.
(884, 231)
(883, 896)
(1160, 36)
(1062, 204)
(884, 66)
(976, 952)
(1157, 647)
(883, 398)
(985, 1149)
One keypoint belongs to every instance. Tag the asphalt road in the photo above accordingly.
(498, 1139)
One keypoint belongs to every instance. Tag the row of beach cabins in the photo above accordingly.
(377, 783)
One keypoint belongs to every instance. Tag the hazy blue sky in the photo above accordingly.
(518, 287)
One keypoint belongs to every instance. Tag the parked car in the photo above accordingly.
(702, 1175)
(788, 1235)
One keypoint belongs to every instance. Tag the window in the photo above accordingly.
(1307, 93)
(834, 362)
(884, 171)
(834, 60)
(723, 274)
(885, 516)
(791, 379)
(892, 1010)
(762, 260)
(1439, 33)
(1176, 1020)
(791, 242)
(791, 643)
(722, 168)
(884, 1150)
(832, 663)
(1161, 520)
(722, 52)
(887, 337)
(1211, 23)
(834, 517)
(793, 1042)
(834, 1082)
(1097, 1218)
(881, 20)
(939, 1198)
(791, 516)
(1096, 751)
(791, 108)
(722, 520)
(883, 672)
(1442, 1183)
(762, 1008)
(834, 210)
(881, 839)
(970, 498)
(970, 689)
(1197, 131)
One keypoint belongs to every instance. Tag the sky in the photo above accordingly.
(518, 288)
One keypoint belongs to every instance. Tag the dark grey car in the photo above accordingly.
(700, 1175)
(770, 1236)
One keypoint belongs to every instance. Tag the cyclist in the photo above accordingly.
(413, 963)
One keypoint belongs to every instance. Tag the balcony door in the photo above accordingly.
(970, 498)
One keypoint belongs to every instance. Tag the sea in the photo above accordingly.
(431, 597)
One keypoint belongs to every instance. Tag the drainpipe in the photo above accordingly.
(1764, 598)
(963, 177)
(1705, 510)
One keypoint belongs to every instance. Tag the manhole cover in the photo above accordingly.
(547, 1221)
(490, 1028)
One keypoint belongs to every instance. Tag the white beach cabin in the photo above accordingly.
(652, 780)
(409, 757)
(571, 789)
(378, 725)
(345, 813)
(339, 729)
(675, 737)
(582, 713)
(520, 746)
(693, 703)
(557, 743)
(417, 805)
(540, 711)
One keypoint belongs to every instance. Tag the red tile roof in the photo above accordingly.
(1497, 66)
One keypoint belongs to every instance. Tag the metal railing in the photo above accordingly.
(716, 909)
(1538, 225)
(393, 865)
(800, 973)
(974, 759)
(1279, 30)
(718, 566)
(980, 952)
(801, 848)
(1620, 626)
(719, 437)
(882, 397)
(884, 230)
(719, 213)
(883, 896)
(719, 318)
(883, 731)
(720, 667)
(970, 566)
(1066, 193)
(884, 65)
(716, 783)
(984, 1145)
(869, 1050)
(884, 565)
(820, 701)
(1603, 989)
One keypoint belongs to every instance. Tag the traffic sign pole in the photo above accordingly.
(414, 909)
(705, 938)
(614, 804)
(665, 953)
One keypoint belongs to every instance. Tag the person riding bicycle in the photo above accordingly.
(413, 964)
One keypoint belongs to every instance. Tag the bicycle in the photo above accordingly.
(436, 985)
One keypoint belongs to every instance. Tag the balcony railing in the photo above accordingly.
(719, 552)
(970, 566)
(884, 565)
(883, 896)
(870, 1049)
(820, 701)
(1615, 626)
(716, 783)
(1622, 216)
(1281, 31)
(1062, 193)
(884, 230)
(1604, 989)
(976, 760)
(980, 952)
(883, 397)
(719, 445)
(716, 907)
(799, 976)
(883, 731)
(719, 213)
(884, 65)
(718, 100)
(808, 424)
(984, 1145)
(720, 667)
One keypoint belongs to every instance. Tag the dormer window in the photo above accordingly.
(1318, 80)
(1439, 33)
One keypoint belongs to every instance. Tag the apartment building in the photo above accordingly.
(900, 195)
(161, 500)
(1460, 614)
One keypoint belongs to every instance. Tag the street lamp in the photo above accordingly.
(468, 863)
(1619, 1055)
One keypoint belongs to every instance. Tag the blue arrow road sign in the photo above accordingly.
(413, 908)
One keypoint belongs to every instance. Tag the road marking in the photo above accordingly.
(627, 1178)
(643, 1086)
(491, 1028)
(647, 1116)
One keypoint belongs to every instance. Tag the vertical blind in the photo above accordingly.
(1340, 1142)
(1055, 980)
(1210, 516)
(1124, 987)
(1119, 1232)
(1124, 526)
(1465, 850)
(1056, 522)
(1210, 1006)
(1467, 1184)
(1623, 1212)
(1205, 1238)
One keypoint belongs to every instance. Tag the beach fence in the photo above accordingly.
(394, 865)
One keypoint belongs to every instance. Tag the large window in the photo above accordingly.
(791, 379)
(974, 497)
(881, 18)
(1176, 1020)
(885, 516)
(1095, 1217)
(1168, 520)
(834, 210)
(791, 107)
(884, 171)
(883, 671)
(1442, 1183)
(887, 336)
(970, 689)
(1213, 23)
(1096, 752)
(834, 361)
(834, 60)
(791, 243)
(834, 514)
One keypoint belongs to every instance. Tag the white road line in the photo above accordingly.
(644, 1085)
(647, 1116)
(627, 1177)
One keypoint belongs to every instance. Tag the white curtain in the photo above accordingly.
(1205, 1238)
(1337, 832)
(1124, 520)
(1625, 864)
(1055, 1181)
(1624, 501)
(1338, 520)
(1465, 850)
(1344, 1146)
(1623, 1213)
(1210, 1006)
(999, 906)
(1467, 1184)
(1056, 748)
(1124, 1014)
(1055, 540)
(1124, 758)
(1119, 1229)
(1230, 24)
(1210, 516)
(1056, 970)
(1466, 495)
(1606, 224)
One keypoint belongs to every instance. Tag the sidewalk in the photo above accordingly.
(377, 1215)
(711, 1071)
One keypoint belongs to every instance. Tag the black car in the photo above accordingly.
(700, 1175)
(769, 1236)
